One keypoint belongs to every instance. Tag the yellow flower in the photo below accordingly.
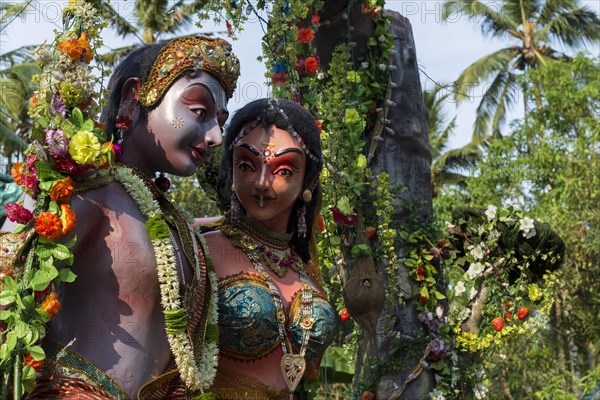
(534, 292)
(84, 147)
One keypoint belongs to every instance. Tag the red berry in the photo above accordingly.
(442, 244)
(522, 312)
(498, 323)
(370, 232)
(508, 316)
(423, 299)
(344, 314)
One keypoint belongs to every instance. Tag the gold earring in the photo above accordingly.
(307, 196)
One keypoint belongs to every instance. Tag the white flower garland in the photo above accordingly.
(197, 377)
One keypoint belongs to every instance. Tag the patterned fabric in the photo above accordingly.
(230, 385)
(248, 320)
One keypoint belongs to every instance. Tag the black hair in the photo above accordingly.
(136, 64)
(304, 124)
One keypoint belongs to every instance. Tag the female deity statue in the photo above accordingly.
(274, 320)
(136, 322)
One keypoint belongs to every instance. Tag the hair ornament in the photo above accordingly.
(190, 53)
(274, 107)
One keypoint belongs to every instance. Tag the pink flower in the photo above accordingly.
(58, 143)
(31, 184)
(17, 213)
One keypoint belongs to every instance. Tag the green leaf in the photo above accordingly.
(19, 228)
(88, 125)
(28, 373)
(53, 207)
(44, 252)
(11, 341)
(37, 353)
(42, 278)
(71, 241)
(335, 240)
(9, 284)
(61, 252)
(21, 329)
(361, 249)
(66, 275)
(5, 314)
(77, 117)
(6, 298)
(438, 295)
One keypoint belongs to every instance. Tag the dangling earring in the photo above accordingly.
(302, 221)
(123, 124)
(235, 206)
(163, 182)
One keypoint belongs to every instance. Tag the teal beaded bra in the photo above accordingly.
(248, 315)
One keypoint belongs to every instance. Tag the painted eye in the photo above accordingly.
(284, 172)
(200, 112)
(245, 167)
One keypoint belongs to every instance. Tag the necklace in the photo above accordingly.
(145, 195)
(292, 365)
(272, 249)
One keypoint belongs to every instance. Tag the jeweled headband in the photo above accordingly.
(274, 105)
(190, 53)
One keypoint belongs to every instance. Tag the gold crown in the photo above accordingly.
(190, 53)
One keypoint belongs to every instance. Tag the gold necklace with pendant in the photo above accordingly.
(292, 365)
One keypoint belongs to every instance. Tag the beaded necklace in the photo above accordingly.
(292, 364)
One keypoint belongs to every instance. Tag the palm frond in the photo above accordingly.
(9, 11)
(9, 140)
(462, 158)
(575, 27)
(493, 22)
(17, 56)
(490, 101)
(482, 69)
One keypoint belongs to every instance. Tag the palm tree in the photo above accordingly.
(448, 166)
(534, 25)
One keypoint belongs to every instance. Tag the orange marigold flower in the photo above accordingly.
(34, 101)
(67, 219)
(62, 190)
(37, 365)
(77, 49)
(316, 19)
(312, 65)
(17, 172)
(48, 225)
(305, 35)
(51, 304)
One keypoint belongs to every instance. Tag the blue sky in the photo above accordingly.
(443, 49)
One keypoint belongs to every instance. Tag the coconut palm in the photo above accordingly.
(448, 166)
(532, 26)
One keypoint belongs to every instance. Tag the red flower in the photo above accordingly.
(279, 78)
(421, 273)
(498, 323)
(305, 35)
(342, 219)
(316, 19)
(344, 314)
(319, 126)
(522, 313)
(312, 65)
(17, 213)
(423, 299)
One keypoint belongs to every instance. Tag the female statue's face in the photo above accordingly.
(268, 175)
(186, 125)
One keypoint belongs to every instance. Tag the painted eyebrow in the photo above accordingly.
(208, 88)
(249, 147)
(288, 150)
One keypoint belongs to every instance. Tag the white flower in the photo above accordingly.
(436, 394)
(494, 235)
(472, 293)
(381, 38)
(364, 64)
(490, 213)
(526, 225)
(475, 270)
(320, 76)
(460, 288)
(449, 225)
(382, 67)
(463, 314)
(439, 311)
(478, 252)
(480, 391)
(480, 230)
